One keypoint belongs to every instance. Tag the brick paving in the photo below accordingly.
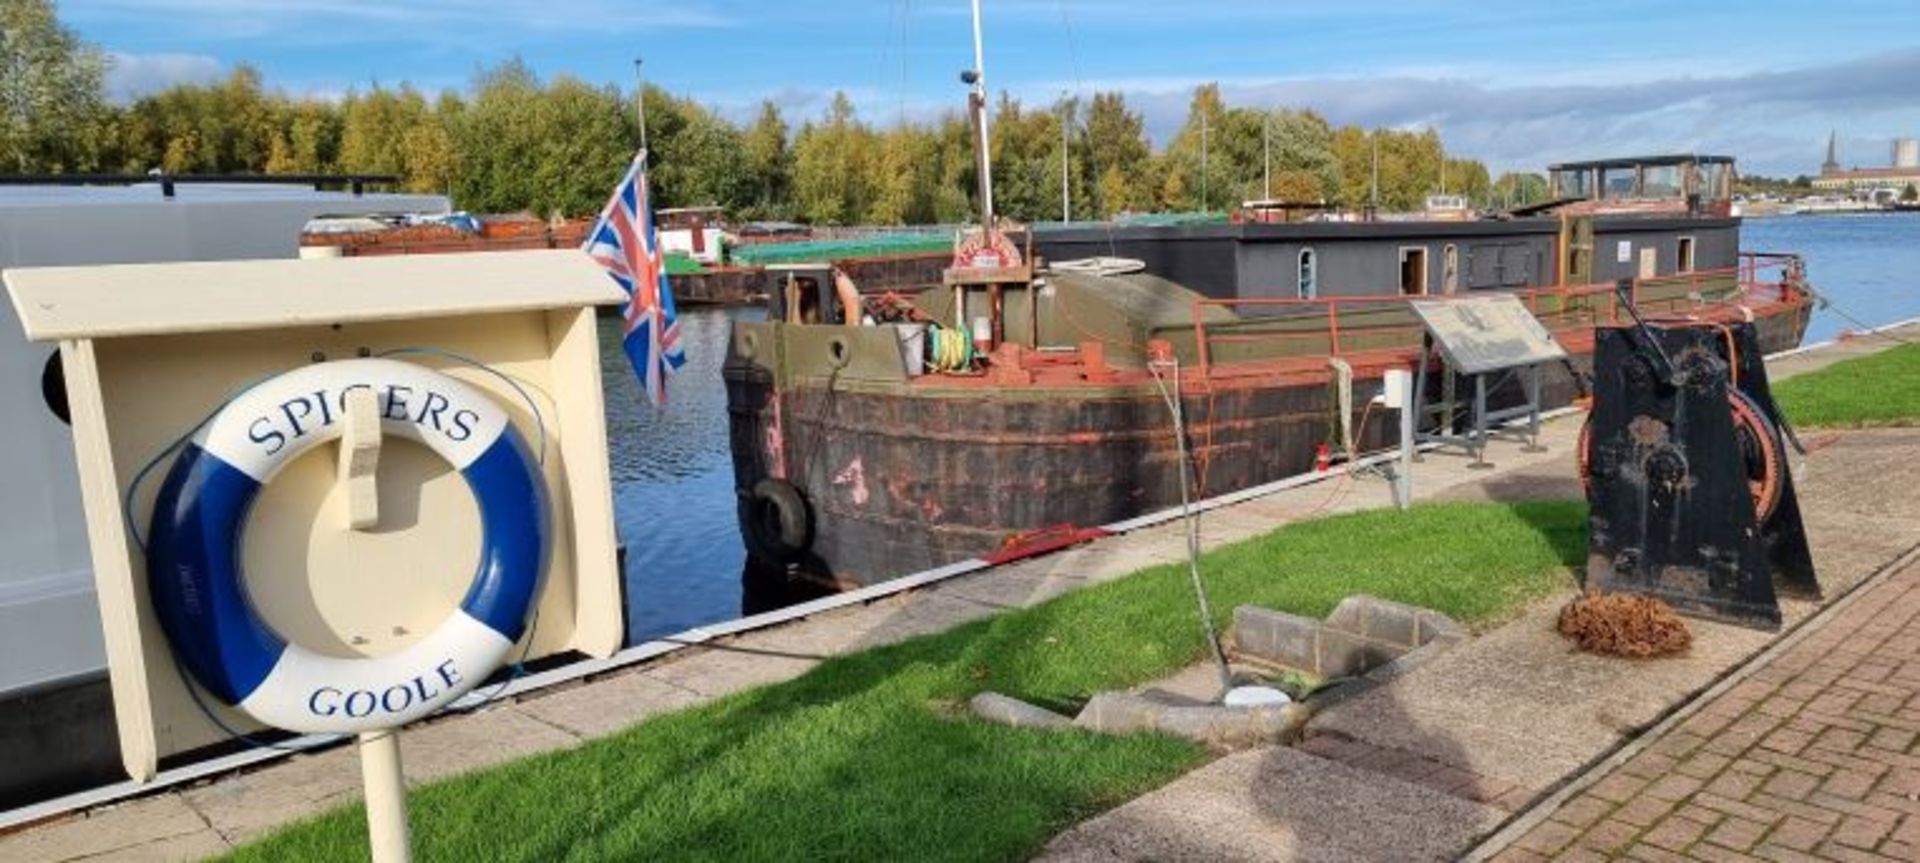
(1811, 757)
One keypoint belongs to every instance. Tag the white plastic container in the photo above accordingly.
(913, 347)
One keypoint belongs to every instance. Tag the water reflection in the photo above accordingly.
(673, 482)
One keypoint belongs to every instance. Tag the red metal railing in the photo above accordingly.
(1560, 307)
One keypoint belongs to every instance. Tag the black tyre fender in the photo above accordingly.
(779, 524)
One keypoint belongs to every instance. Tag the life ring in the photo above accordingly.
(779, 525)
(193, 552)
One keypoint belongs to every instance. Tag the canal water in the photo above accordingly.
(1868, 264)
(673, 476)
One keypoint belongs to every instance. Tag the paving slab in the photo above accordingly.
(1276, 803)
(247, 805)
(437, 750)
(153, 828)
(1520, 705)
(712, 672)
(600, 707)
(1020, 585)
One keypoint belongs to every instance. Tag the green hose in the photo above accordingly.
(948, 350)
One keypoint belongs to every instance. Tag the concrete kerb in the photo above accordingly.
(1522, 822)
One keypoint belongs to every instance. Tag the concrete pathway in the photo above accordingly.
(1810, 754)
(1452, 748)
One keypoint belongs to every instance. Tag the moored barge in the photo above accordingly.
(865, 450)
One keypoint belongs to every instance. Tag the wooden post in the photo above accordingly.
(386, 791)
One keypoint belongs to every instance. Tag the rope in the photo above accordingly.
(948, 349)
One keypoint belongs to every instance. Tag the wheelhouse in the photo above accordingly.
(1699, 184)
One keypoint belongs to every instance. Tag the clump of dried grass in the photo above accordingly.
(1624, 624)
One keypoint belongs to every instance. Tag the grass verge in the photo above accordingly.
(1882, 389)
(867, 756)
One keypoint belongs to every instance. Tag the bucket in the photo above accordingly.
(913, 347)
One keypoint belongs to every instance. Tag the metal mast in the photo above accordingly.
(1266, 156)
(1066, 172)
(640, 101)
(979, 82)
(1203, 160)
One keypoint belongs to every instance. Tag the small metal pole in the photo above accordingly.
(1400, 387)
(1534, 376)
(386, 793)
(1266, 156)
(640, 101)
(1203, 161)
(1480, 424)
(1066, 171)
(1420, 389)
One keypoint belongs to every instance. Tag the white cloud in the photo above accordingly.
(1775, 121)
(130, 76)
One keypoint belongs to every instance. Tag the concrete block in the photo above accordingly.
(1229, 728)
(1119, 713)
(1216, 727)
(1276, 636)
(1434, 625)
(1007, 710)
(1343, 654)
(1378, 620)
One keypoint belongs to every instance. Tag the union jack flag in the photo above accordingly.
(624, 242)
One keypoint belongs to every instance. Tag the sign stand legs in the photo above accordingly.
(386, 791)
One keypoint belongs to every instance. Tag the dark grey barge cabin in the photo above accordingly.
(1654, 216)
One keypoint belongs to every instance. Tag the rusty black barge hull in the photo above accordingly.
(901, 480)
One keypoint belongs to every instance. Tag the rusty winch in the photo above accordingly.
(1684, 456)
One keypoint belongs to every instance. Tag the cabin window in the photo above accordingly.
(1660, 181)
(1685, 257)
(1713, 181)
(1450, 269)
(1309, 275)
(1619, 182)
(1573, 183)
(1413, 271)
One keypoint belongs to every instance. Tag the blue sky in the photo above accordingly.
(1515, 83)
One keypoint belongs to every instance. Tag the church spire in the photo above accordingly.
(1832, 163)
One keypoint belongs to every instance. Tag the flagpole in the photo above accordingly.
(640, 103)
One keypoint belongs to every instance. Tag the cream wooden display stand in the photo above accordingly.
(338, 559)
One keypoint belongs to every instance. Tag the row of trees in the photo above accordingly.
(515, 142)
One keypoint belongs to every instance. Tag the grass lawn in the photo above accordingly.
(1878, 390)
(870, 757)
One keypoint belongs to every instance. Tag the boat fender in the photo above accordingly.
(779, 524)
(199, 592)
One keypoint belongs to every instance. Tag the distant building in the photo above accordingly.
(1906, 152)
(1904, 171)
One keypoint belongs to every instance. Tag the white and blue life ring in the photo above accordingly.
(193, 552)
